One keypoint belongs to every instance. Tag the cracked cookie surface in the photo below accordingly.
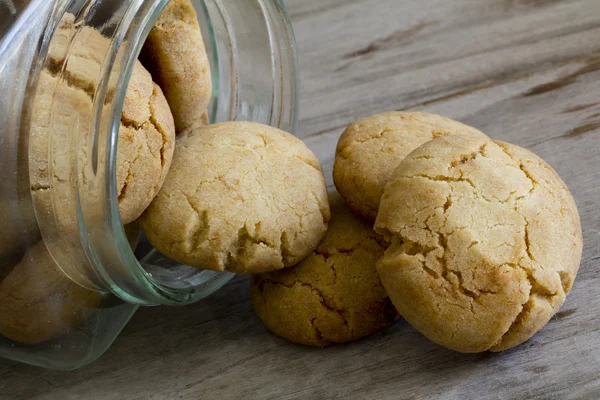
(485, 242)
(369, 151)
(146, 144)
(175, 55)
(332, 296)
(39, 303)
(240, 196)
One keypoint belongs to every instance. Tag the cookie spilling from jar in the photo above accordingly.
(240, 197)
(475, 242)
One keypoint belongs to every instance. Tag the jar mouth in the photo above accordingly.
(240, 93)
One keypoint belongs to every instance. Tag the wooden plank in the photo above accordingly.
(524, 71)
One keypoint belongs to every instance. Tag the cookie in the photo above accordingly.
(369, 151)
(174, 53)
(240, 197)
(485, 242)
(146, 144)
(332, 296)
(39, 303)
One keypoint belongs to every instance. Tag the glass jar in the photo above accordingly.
(71, 274)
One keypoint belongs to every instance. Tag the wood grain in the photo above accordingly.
(524, 71)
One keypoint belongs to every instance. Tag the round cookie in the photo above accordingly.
(146, 145)
(240, 196)
(144, 153)
(369, 151)
(174, 53)
(332, 296)
(39, 303)
(485, 242)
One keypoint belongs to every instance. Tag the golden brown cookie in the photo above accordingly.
(39, 303)
(369, 151)
(147, 132)
(240, 196)
(332, 296)
(174, 53)
(146, 145)
(485, 242)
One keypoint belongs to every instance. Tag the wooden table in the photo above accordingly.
(525, 71)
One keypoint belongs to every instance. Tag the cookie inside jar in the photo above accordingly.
(175, 75)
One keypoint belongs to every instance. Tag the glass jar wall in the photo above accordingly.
(71, 275)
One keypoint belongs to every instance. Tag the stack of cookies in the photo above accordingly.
(476, 243)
